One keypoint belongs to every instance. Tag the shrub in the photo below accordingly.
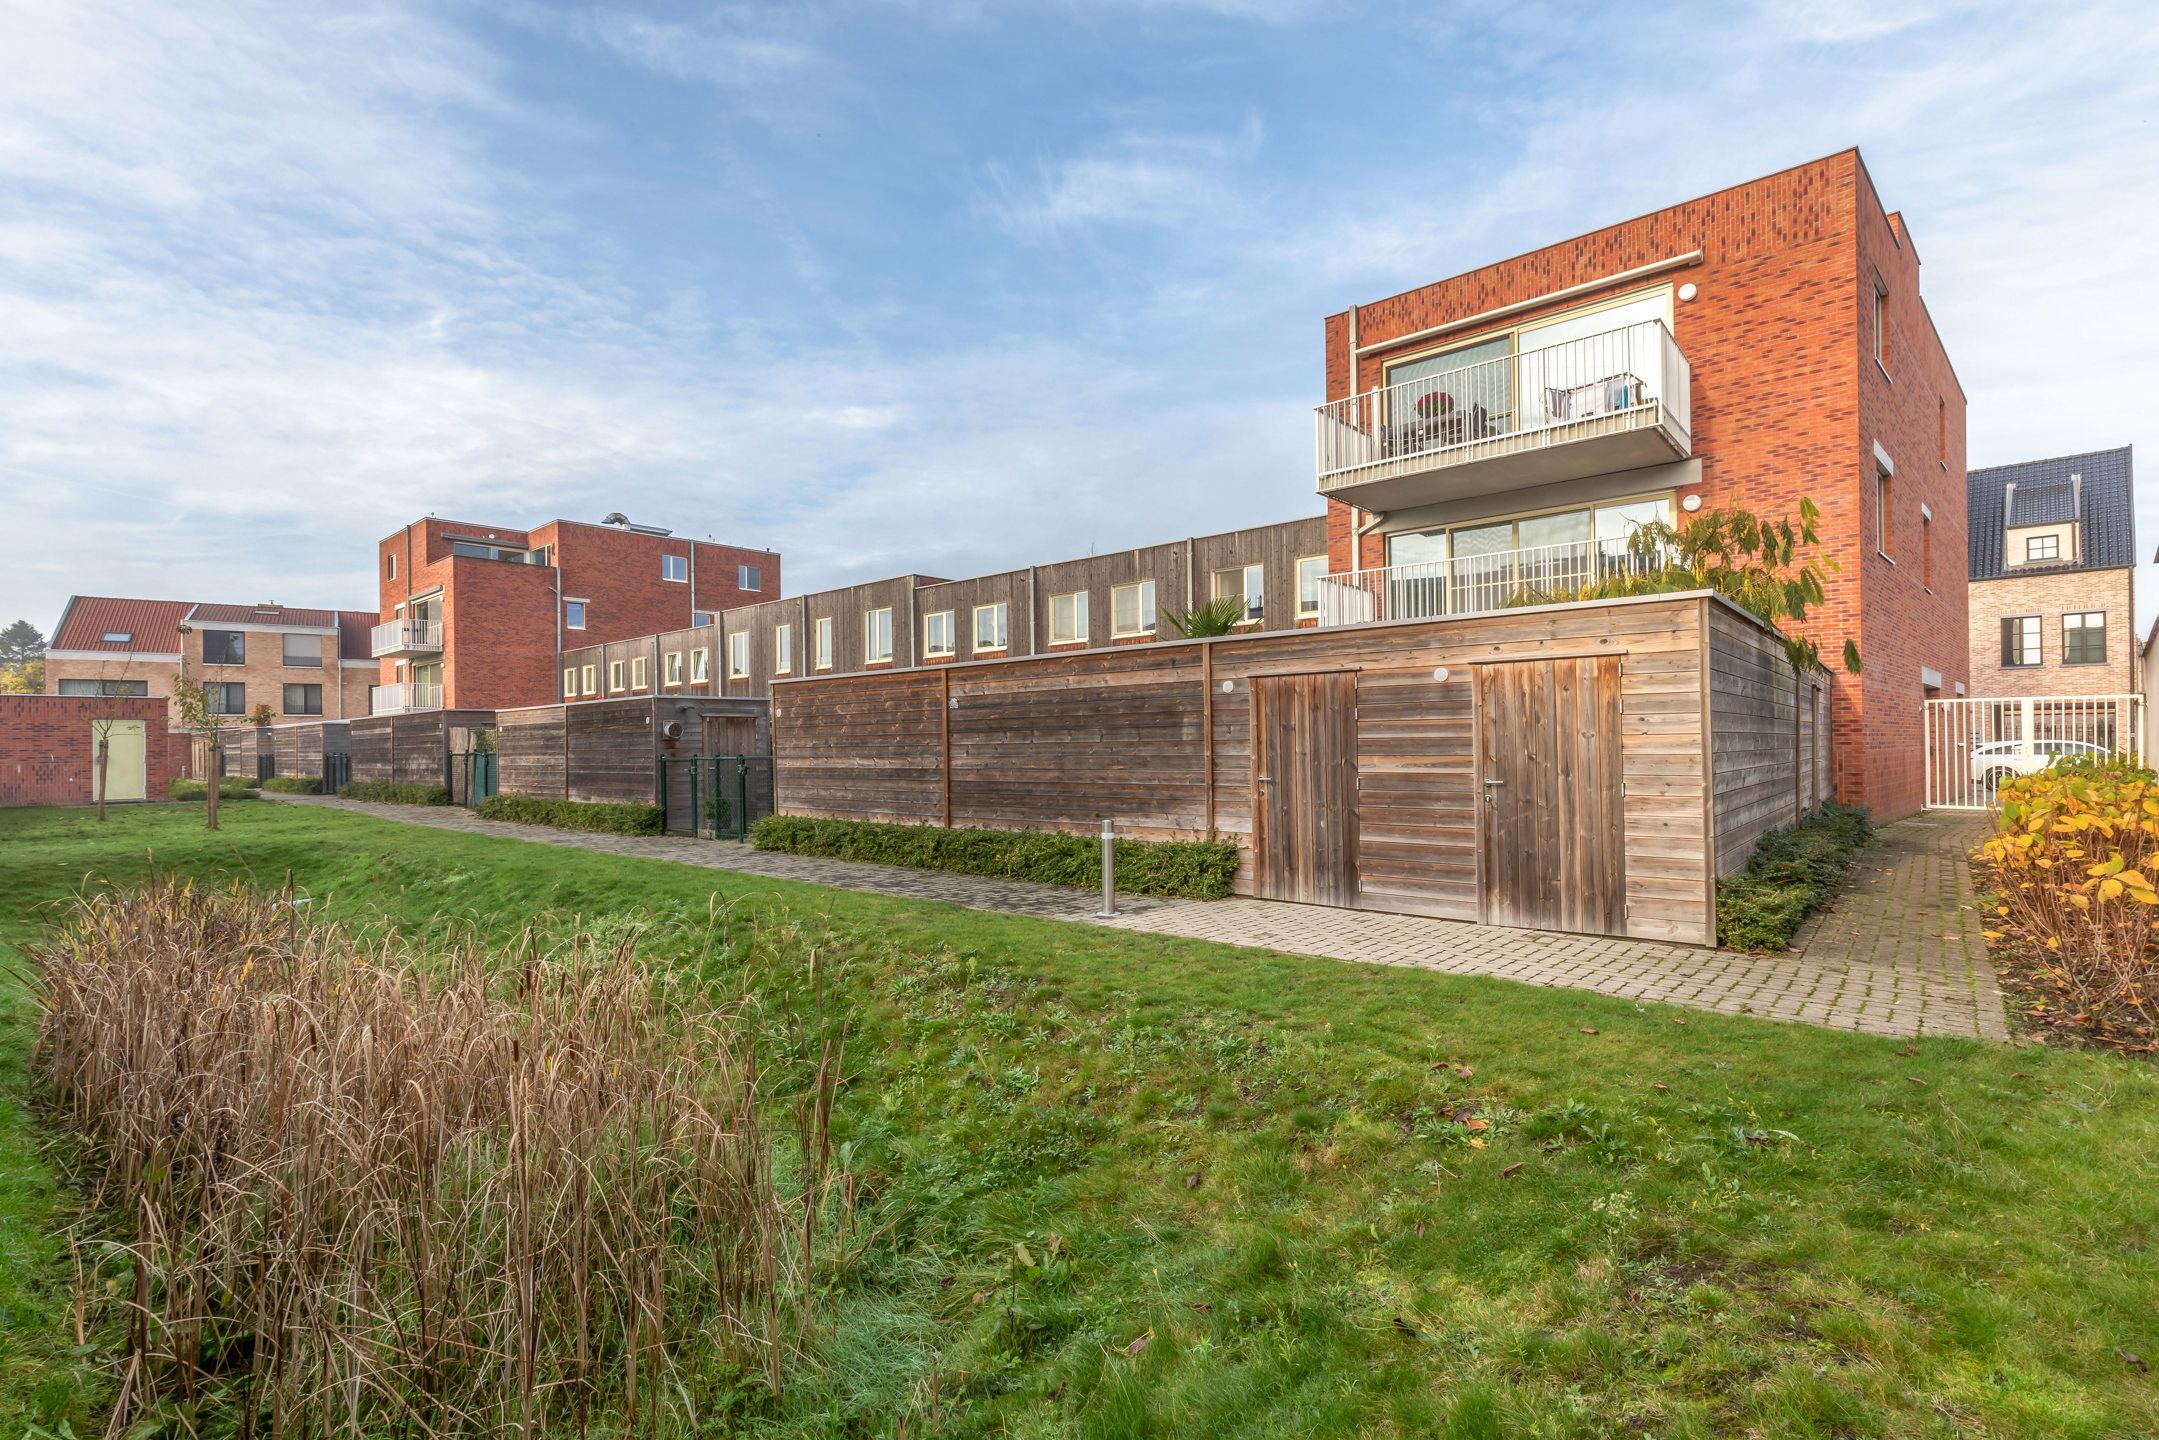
(1187, 869)
(294, 784)
(1792, 873)
(395, 792)
(229, 787)
(2071, 861)
(607, 817)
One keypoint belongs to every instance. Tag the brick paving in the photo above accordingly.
(1899, 954)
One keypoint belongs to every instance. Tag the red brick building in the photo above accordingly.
(1505, 428)
(48, 748)
(473, 616)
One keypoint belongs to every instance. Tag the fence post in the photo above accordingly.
(659, 763)
(1109, 871)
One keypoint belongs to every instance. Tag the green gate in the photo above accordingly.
(717, 797)
(473, 776)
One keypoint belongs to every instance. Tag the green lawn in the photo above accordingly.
(1270, 1215)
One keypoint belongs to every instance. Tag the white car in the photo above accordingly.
(1997, 760)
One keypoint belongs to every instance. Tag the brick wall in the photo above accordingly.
(48, 747)
(2050, 597)
(265, 673)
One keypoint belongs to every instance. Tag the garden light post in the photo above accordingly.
(1109, 871)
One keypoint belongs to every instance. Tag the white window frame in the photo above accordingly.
(392, 558)
(1304, 611)
(821, 643)
(614, 678)
(675, 569)
(871, 624)
(783, 649)
(700, 666)
(750, 578)
(1074, 629)
(672, 674)
(1251, 588)
(738, 655)
(569, 683)
(931, 645)
(592, 680)
(1144, 614)
(638, 675)
(570, 602)
(1000, 616)
(700, 618)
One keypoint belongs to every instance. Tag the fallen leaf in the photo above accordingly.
(1191, 1182)
(1915, 1080)
(1417, 1229)
(1589, 1029)
(1476, 1122)
(1202, 1306)
(2020, 1075)
(1464, 1072)
(1476, 1142)
(981, 1295)
(1512, 1170)
(1677, 1021)
(1659, 1085)
(1139, 1343)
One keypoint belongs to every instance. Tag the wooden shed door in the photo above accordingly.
(1304, 788)
(1552, 837)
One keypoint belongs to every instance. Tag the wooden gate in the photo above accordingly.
(1304, 787)
(1552, 836)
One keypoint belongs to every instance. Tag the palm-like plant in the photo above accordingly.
(1216, 617)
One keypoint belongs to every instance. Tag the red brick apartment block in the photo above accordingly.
(48, 748)
(1815, 372)
(473, 616)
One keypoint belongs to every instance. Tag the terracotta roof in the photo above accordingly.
(356, 634)
(152, 626)
(264, 615)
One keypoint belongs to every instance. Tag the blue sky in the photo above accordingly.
(927, 284)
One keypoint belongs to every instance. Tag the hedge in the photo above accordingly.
(294, 784)
(609, 818)
(395, 792)
(229, 787)
(1186, 869)
(1793, 872)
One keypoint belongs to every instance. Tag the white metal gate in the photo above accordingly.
(1974, 745)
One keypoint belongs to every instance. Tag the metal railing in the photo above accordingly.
(1637, 368)
(396, 699)
(1974, 744)
(399, 637)
(1478, 584)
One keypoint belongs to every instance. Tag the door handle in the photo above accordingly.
(1489, 781)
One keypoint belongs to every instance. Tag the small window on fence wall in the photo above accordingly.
(937, 633)
(1247, 583)
(700, 666)
(1310, 570)
(637, 672)
(569, 683)
(821, 643)
(673, 673)
(614, 677)
(877, 636)
(2084, 638)
(1131, 609)
(1068, 618)
(783, 650)
(2020, 641)
(592, 680)
(992, 631)
(738, 655)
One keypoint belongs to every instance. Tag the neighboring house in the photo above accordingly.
(301, 663)
(2053, 562)
(1503, 430)
(1121, 598)
(474, 616)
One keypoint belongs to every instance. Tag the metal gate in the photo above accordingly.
(717, 797)
(336, 770)
(1973, 745)
(472, 776)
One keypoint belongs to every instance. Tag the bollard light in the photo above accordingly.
(1109, 871)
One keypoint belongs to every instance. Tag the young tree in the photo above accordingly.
(101, 728)
(192, 699)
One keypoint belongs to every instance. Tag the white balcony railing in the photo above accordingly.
(406, 637)
(1632, 377)
(1478, 584)
(400, 698)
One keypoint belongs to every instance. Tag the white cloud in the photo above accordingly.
(1136, 178)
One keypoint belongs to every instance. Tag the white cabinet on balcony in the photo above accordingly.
(410, 636)
(1503, 419)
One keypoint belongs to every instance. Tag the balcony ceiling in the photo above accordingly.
(1506, 463)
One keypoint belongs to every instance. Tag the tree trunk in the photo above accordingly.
(216, 777)
(104, 771)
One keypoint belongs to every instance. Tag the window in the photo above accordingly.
(1941, 428)
(1244, 582)
(938, 633)
(2020, 641)
(821, 643)
(700, 666)
(991, 628)
(2042, 547)
(303, 650)
(1068, 618)
(783, 649)
(877, 636)
(591, 675)
(1884, 513)
(224, 647)
(226, 698)
(675, 568)
(481, 550)
(118, 637)
(749, 577)
(699, 619)
(109, 688)
(2084, 638)
(573, 614)
(614, 677)
(1881, 325)
(303, 699)
(391, 561)
(738, 655)
(1309, 571)
(673, 674)
(637, 672)
(1926, 547)
(569, 683)
(1131, 609)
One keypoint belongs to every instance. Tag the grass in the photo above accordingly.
(1133, 1185)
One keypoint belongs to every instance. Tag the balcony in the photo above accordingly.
(405, 698)
(401, 639)
(1602, 403)
(1479, 584)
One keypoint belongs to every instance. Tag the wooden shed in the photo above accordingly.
(1591, 766)
(612, 749)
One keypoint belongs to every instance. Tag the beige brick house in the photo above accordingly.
(2053, 567)
(301, 663)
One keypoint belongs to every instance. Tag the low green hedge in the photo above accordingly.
(395, 792)
(1792, 874)
(1187, 869)
(607, 817)
(293, 784)
(230, 787)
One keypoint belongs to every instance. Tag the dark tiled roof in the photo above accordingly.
(356, 634)
(152, 625)
(265, 615)
(2107, 502)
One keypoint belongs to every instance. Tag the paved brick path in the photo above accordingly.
(1899, 955)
